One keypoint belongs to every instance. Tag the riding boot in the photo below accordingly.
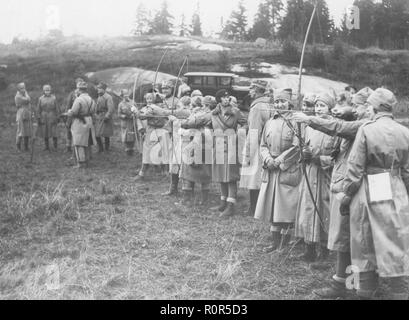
(55, 143)
(204, 197)
(276, 240)
(187, 199)
(26, 139)
(100, 145)
(18, 143)
(229, 211)
(107, 142)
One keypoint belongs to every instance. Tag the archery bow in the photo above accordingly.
(303, 164)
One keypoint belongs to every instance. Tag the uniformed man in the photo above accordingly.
(70, 101)
(48, 117)
(375, 192)
(82, 128)
(23, 116)
(128, 125)
(260, 113)
(104, 126)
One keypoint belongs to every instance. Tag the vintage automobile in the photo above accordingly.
(211, 82)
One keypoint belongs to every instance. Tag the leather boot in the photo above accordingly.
(55, 143)
(187, 199)
(173, 188)
(253, 202)
(335, 290)
(47, 144)
(204, 197)
(229, 211)
(309, 254)
(18, 143)
(26, 139)
(276, 240)
(100, 145)
(322, 263)
(221, 207)
(107, 142)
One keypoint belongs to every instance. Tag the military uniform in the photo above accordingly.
(128, 125)
(82, 128)
(23, 119)
(48, 116)
(104, 125)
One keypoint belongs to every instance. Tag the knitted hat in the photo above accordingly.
(327, 99)
(82, 85)
(362, 96)
(261, 84)
(283, 95)
(309, 98)
(46, 87)
(185, 101)
(196, 93)
(382, 100)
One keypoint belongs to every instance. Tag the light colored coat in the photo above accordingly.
(104, 125)
(23, 116)
(308, 225)
(338, 233)
(199, 123)
(83, 134)
(260, 113)
(127, 121)
(224, 122)
(380, 230)
(279, 192)
(48, 114)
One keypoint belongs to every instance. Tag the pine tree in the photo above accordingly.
(184, 29)
(141, 25)
(161, 23)
(274, 8)
(235, 27)
(196, 23)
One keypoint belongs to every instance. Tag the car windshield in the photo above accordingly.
(225, 81)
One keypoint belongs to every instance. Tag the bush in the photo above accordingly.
(3, 81)
(338, 50)
(223, 60)
(317, 58)
(290, 51)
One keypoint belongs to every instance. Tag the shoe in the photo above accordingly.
(221, 207)
(139, 178)
(322, 261)
(276, 240)
(204, 197)
(309, 254)
(187, 199)
(173, 189)
(334, 290)
(229, 211)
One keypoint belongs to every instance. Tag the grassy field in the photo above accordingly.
(112, 238)
(108, 236)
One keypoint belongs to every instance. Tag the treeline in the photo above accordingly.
(384, 23)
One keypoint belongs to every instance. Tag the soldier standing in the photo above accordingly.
(82, 128)
(70, 101)
(104, 126)
(260, 113)
(23, 116)
(128, 125)
(48, 116)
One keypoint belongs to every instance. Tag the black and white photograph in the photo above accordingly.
(227, 152)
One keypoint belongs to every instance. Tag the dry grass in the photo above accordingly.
(112, 238)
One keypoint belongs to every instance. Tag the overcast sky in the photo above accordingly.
(33, 18)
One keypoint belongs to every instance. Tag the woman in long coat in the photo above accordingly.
(310, 225)
(128, 125)
(23, 116)
(197, 138)
(104, 125)
(48, 115)
(279, 192)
